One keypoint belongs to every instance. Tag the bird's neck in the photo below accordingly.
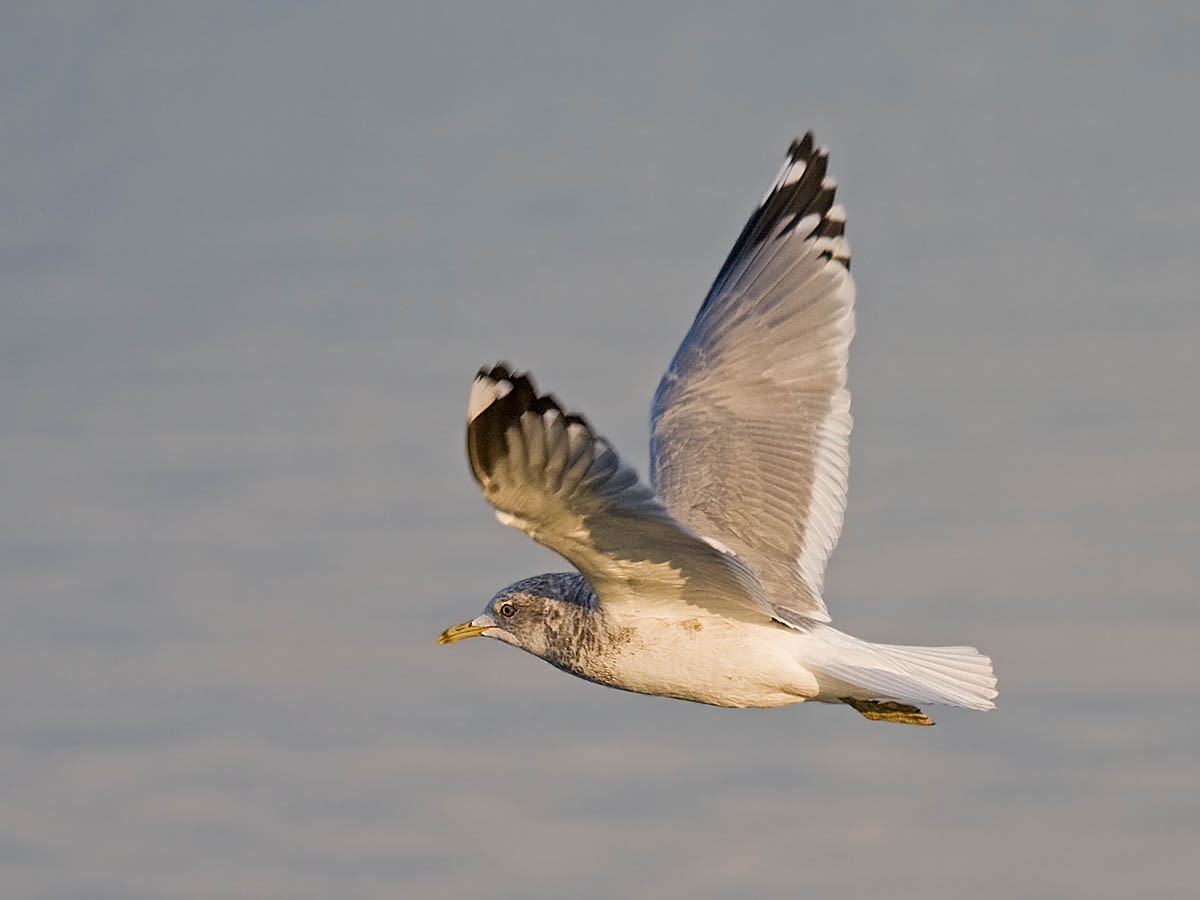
(581, 640)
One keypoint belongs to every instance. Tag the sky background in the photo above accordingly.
(251, 256)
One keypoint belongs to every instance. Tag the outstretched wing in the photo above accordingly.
(751, 423)
(547, 473)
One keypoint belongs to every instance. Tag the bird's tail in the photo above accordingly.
(955, 676)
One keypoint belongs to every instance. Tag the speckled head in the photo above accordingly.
(545, 615)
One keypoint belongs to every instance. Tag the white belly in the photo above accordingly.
(710, 660)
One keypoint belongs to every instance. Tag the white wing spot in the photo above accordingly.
(794, 174)
(485, 392)
(804, 227)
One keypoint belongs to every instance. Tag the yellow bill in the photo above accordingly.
(462, 632)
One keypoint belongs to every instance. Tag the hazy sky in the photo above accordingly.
(251, 257)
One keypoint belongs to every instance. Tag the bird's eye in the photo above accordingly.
(506, 610)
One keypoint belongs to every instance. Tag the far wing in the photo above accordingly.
(546, 472)
(751, 423)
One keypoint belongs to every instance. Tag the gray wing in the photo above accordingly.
(546, 472)
(751, 423)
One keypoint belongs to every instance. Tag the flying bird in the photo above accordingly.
(706, 583)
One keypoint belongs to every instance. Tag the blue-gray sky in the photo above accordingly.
(251, 256)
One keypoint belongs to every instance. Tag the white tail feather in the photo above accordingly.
(956, 676)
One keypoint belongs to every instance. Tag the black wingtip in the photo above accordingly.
(500, 371)
(486, 431)
(791, 203)
(801, 147)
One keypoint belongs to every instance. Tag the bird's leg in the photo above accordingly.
(889, 711)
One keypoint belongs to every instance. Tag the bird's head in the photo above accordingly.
(533, 614)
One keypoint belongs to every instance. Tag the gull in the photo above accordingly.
(706, 584)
